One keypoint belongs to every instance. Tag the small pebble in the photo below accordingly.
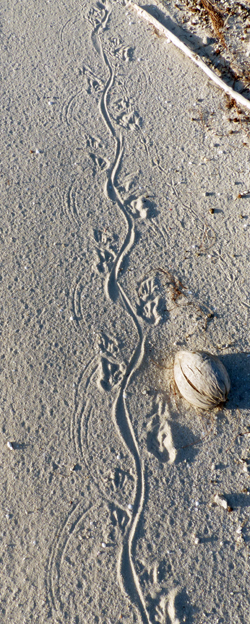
(220, 501)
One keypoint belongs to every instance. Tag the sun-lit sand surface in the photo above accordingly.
(124, 239)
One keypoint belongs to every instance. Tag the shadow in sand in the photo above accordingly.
(238, 367)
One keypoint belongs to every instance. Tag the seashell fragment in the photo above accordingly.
(201, 378)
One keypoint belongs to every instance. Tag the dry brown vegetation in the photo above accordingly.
(216, 18)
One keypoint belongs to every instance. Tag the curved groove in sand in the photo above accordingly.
(110, 498)
(64, 115)
(72, 524)
(79, 430)
(57, 551)
(76, 422)
(127, 575)
(103, 101)
(70, 205)
(126, 569)
(58, 548)
(111, 190)
(111, 282)
(110, 286)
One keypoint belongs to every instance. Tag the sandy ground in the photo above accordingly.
(124, 237)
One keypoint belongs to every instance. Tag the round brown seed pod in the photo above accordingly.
(201, 378)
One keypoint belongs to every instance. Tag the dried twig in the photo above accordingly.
(194, 57)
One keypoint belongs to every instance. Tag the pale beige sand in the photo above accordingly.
(123, 239)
